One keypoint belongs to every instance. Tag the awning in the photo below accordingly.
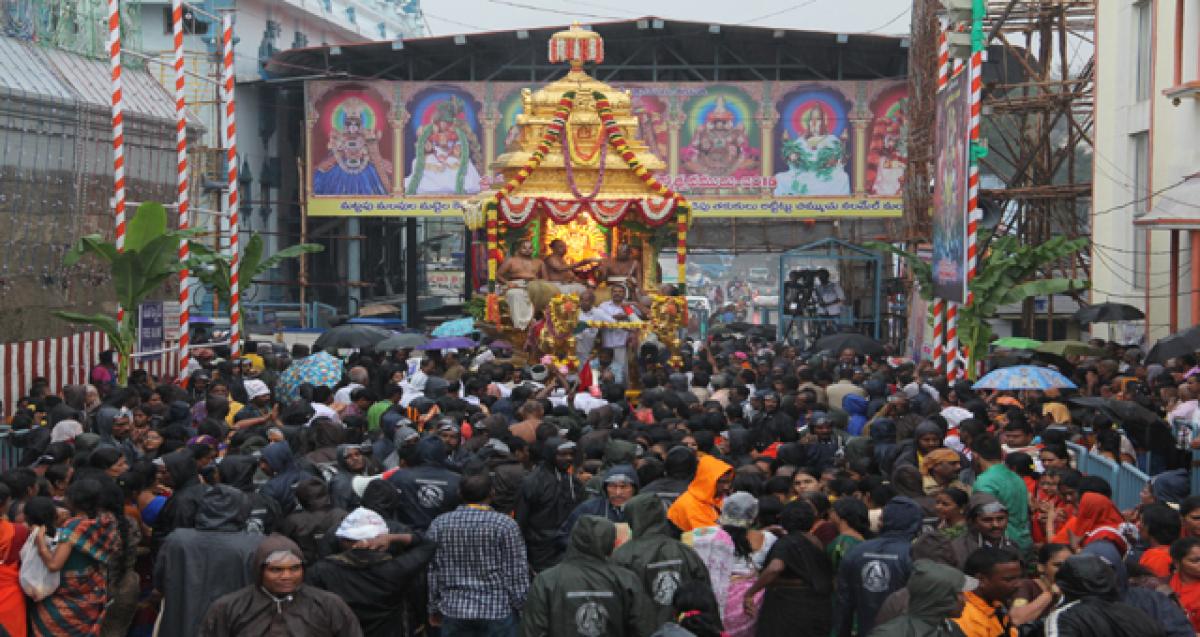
(1177, 208)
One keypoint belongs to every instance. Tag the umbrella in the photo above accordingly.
(1108, 313)
(1024, 377)
(1016, 342)
(453, 342)
(1145, 429)
(407, 340)
(859, 343)
(351, 336)
(318, 369)
(1176, 345)
(457, 327)
(1071, 348)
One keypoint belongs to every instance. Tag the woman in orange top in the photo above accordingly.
(700, 505)
(1185, 554)
(12, 599)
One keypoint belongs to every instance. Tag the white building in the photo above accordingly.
(1146, 215)
(262, 28)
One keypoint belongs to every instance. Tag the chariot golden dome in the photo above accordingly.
(582, 164)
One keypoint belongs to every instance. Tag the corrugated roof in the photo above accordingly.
(63, 76)
(21, 70)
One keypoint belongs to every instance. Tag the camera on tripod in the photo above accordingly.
(799, 293)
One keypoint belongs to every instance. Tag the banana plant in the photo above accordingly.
(1004, 275)
(212, 268)
(150, 258)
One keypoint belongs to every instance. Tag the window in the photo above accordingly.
(191, 26)
(1143, 73)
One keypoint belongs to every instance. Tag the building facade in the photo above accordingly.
(1146, 217)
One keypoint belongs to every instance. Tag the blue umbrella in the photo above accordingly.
(454, 342)
(318, 369)
(1024, 377)
(457, 327)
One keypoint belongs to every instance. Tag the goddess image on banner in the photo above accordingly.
(888, 154)
(355, 136)
(508, 134)
(446, 151)
(651, 112)
(814, 149)
(950, 191)
(720, 136)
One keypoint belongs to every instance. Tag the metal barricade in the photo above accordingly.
(1126, 480)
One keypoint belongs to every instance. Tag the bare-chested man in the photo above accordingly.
(515, 274)
(624, 269)
(557, 270)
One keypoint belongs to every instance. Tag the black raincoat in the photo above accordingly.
(933, 604)
(429, 489)
(196, 566)
(1090, 607)
(586, 595)
(661, 561)
(547, 498)
(876, 568)
(378, 586)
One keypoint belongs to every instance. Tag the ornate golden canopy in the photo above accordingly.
(584, 137)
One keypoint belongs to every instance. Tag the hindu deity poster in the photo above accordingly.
(351, 146)
(950, 191)
(737, 149)
(813, 157)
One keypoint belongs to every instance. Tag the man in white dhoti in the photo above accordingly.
(515, 274)
(618, 339)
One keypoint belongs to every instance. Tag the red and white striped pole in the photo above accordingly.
(118, 129)
(231, 201)
(951, 340)
(974, 212)
(939, 309)
(181, 184)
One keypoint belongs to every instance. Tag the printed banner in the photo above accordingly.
(950, 190)
(742, 149)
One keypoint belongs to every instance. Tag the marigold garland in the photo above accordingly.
(617, 138)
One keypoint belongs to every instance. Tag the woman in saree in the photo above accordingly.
(86, 542)
(797, 580)
(734, 553)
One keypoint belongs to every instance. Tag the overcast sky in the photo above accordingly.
(852, 16)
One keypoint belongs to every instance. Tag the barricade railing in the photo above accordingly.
(1126, 480)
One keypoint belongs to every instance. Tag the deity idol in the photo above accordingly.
(719, 147)
(888, 155)
(446, 154)
(816, 163)
(354, 165)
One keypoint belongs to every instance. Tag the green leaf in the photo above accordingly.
(1042, 287)
(103, 322)
(90, 244)
(148, 223)
(126, 279)
(290, 252)
(251, 256)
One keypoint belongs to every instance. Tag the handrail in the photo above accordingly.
(1126, 480)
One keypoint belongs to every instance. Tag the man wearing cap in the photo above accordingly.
(547, 497)
(379, 586)
(258, 410)
(620, 484)
(935, 594)
(279, 603)
(479, 575)
(197, 565)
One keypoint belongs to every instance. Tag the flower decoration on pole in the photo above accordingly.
(576, 46)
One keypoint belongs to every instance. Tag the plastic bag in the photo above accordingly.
(36, 580)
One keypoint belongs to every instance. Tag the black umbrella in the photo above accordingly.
(1026, 357)
(1176, 345)
(1144, 427)
(351, 336)
(859, 343)
(1108, 313)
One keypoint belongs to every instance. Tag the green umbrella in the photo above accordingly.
(1071, 348)
(1016, 342)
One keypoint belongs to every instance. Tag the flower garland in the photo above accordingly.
(571, 172)
(617, 139)
(554, 131)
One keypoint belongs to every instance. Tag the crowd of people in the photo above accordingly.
(752, 491)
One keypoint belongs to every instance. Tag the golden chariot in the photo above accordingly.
(578, 170)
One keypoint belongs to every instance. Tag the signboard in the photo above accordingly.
(950, 190)
(150, 327)
(171, 321)
(446, 283)
(787, 150)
